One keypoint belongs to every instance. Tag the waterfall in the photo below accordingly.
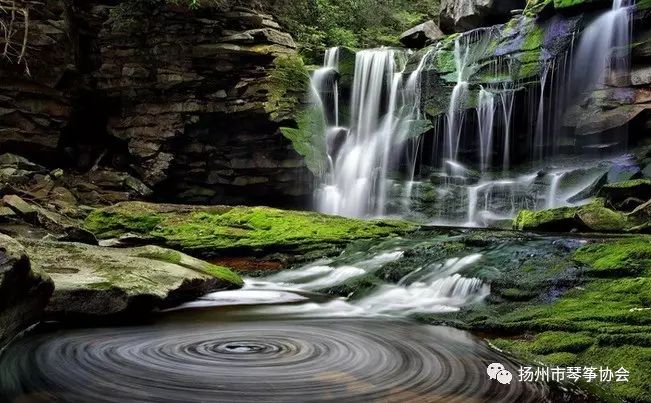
(553, 190)
(485, 118)
(539, 139)
(383, 109)
(603, 54)
(377, 164)
(507, 97)
(325, 90)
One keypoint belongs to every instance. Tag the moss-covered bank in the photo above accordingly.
(593, 217)
(221, 230)
(590, 309)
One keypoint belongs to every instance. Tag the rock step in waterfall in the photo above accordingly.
(387, 155)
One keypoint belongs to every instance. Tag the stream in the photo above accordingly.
(280, 339)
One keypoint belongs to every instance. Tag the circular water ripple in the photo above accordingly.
(288, 360)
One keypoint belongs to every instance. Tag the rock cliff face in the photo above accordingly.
(189, 102)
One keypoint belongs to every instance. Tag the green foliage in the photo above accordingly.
(317, 24)
(307, 138)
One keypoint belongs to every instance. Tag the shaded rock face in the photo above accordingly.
(464, 15)
(24, 291)
(34, 110)
(183, 100)
(92, 281)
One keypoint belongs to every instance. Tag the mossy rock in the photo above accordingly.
(103, 282)
(224, 230)
(287, 84)
(567, 4)
(593, 217)
(596, 308)
(535, 7)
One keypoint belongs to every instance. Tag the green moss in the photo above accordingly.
(163, 255)
(623, 257)
(599, 218)
(214, 229)
(566, 308)
(628, 184)
(224, 274)
(561, 4)
(643, 4)
(550, 342)
(139, 221)
(535, 7)
(560, 359)
(288, 84)
(530, 219)
(591, 217)
(308, 138)
(444, 61)
(533, 38)
(605, 324)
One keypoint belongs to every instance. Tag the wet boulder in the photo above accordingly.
(420, 35)
(24, 290)
(97, 282)
(463, 15)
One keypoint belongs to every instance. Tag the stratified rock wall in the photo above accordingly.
(183, 99)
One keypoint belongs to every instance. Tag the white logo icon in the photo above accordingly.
(493, 369)
(504, 377)
(498, 372)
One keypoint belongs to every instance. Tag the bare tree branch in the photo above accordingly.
(14, 18)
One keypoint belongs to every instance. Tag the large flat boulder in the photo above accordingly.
(24, 290)
(93, 281)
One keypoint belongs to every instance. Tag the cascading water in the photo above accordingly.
(374, 161)
(602, 56)
(485, 118)
(383, 109)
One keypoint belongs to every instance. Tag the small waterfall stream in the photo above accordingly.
(383, 108)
